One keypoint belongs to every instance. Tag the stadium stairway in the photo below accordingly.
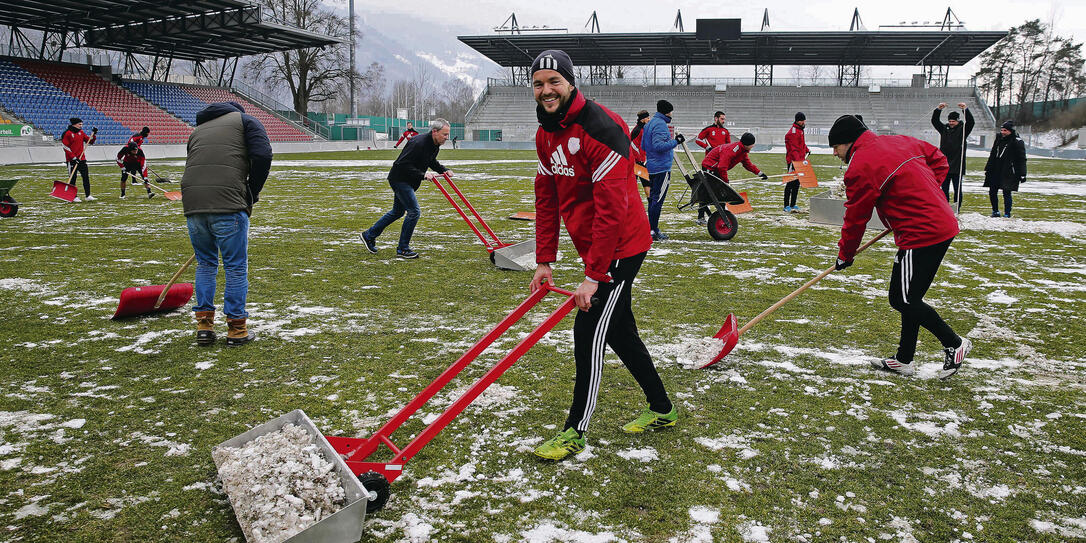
(125, 108)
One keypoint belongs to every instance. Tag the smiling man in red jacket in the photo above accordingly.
(585, 178)
(900, 176)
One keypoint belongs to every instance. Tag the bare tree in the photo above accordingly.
(313, 75)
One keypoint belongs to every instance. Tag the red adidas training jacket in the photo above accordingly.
(724, 157)
(795, 146)
(586, 177)
(713, 136)
(899, 176)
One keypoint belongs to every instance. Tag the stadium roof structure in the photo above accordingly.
(182, 29)
(865, 48)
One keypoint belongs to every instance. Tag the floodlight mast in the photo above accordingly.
(354, 107)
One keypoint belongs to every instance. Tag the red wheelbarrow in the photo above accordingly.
(507, 256)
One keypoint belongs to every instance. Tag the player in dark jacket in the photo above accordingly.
(132, 162)
(1006, 167)
(585, 179)
(407, 173)
(952, 137)
(899, 176)
(74, 140)
(407, 135)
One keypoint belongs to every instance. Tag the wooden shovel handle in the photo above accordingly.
(173, 280)
(76, 167)
(805, 286)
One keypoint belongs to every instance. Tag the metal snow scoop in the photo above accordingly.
(507, 256)
(343, 526)
(155, 298)
(730, 335)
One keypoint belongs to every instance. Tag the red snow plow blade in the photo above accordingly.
(155, 298)
(64, 191)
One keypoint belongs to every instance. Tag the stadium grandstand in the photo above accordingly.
(764, 105)
(53, 67)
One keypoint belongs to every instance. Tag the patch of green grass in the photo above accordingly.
(792, 434)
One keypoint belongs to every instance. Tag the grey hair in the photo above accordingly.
(438, 124)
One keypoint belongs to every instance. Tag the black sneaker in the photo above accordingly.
(954, 359)
(406, 255)
(150, 195)
(371, 244)
(995, 213)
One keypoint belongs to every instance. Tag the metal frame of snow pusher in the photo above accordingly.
(511, 254)
(376, 476)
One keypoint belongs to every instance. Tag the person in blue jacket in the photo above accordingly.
(659, 150)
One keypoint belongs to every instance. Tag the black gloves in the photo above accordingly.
(842, 264)
(94, 130)
(680, 138)
(1022, 179)
(763, 176)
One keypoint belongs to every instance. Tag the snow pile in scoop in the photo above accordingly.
(279, 484)
(697, 352)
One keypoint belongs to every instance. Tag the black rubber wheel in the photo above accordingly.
(723, 228)
(375, 482)
(492, 258)
(7, 207)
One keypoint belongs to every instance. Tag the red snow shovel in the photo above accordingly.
(155, 298)
(730, 336)
(66, 190)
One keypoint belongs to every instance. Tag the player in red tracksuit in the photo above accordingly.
(635, 138)
(725, 157)
(407, 134)
(585, 179)
(140, 137)
(132, 161)
(74, 142)
(715, 134)
(900, 176)
(795, 148)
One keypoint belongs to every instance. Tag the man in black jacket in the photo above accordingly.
(229, 157)
(407, 173)
(1006, 167)
(952, 143)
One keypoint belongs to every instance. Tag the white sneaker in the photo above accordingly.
(954, 359)
(76, 200)
(122, 197)
(892, 365)
(91, 198)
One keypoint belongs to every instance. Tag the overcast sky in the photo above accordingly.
(1067, 16)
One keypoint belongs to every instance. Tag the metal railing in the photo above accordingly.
(279, 109)
(73, 57)
(744, 82)
(474, 105)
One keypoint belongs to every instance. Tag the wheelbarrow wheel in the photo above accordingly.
(723, 227)
(8, 207)
(492, 258)
(375, 482)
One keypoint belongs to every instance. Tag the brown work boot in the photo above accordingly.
(205, 327)
(238, 333)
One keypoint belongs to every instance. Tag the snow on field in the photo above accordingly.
(976, 221)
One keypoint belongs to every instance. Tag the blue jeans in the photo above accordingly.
(227, 234)
(660, 182)
(404, 202)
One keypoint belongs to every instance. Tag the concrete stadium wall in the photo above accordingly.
(55, 155)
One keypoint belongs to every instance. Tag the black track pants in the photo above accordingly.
(81, 167)
(914, 270)
(611, 322)
(791, 192)
(993, 196)
(954, 179)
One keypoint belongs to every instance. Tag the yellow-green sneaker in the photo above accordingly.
(651, 420)
(567, 442)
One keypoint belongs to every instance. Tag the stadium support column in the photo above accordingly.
(522, 75)
(763, 61)
(354, 108)
(848, 75)
(680, 74)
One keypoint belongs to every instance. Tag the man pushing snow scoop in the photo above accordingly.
(899, 176)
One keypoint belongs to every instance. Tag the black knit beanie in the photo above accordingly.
(747, 139)
(665, 107)
(1009, 125)
(642, 114)
(953, 116)
(554, 59)
(800, 117)
(846, 129)
(74, 120)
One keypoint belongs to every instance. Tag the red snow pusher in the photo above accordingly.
(507, 256)
(155, 298)
(357, 452)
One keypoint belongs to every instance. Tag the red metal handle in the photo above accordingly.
(448, 179)
(471, 225)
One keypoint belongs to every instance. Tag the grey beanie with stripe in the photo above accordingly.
(554, 59)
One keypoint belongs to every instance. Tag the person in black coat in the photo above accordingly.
(407, 173)
(1006, 167)
(951, 142)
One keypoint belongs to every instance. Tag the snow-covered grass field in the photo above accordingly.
(106, 427)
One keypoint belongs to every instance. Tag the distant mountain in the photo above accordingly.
(402, 42)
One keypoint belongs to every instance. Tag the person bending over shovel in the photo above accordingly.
(586, 179)
(132, 162)
(901, 177)
(405, 177)
(722, 158)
